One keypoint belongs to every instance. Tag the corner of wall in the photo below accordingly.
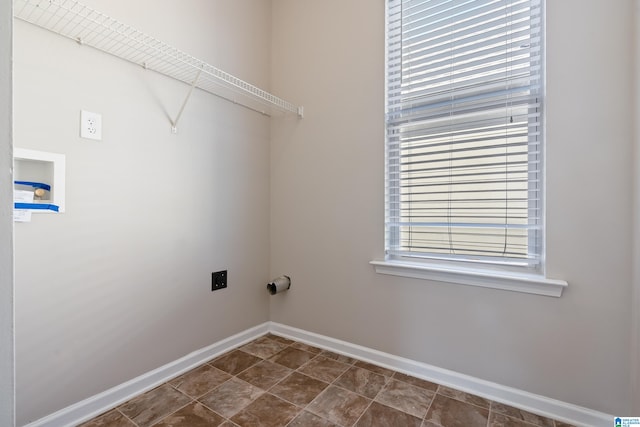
(7, 355)
(129, 282)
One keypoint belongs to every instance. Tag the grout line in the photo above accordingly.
(212, 410)
(168, 415)
(461, 400)
(123, 414)
(363, 412)
(424, 418)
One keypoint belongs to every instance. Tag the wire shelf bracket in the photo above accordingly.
(88, 27)
(174, 123)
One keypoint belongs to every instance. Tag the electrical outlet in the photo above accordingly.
(90, 125)
(218, 280)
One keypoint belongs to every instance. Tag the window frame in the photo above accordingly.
(468, 271)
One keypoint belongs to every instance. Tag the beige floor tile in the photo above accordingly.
(152, 406)
(235, 362)
(361, 381)
(265, 374)
(263, 347)
(427, 385)
(192, 415)
(231, 397)
(324, 369)
(338, 357)
(375, 368)
(307, 419)
(378, 415)
(464, 397)
(292, 358)
(521, 415)
(112, 418)
(500, 420)
(281, 340)
(306, 347)
(406, 397)
(199, 381)
(299, 389)
(447, 412)
(266, 411)
(339, 406)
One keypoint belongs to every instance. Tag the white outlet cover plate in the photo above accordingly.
(90, 125)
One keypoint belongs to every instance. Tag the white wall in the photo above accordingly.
(7, 397)
(120, 283)
(327, 209)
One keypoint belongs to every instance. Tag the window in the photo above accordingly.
(464, 133)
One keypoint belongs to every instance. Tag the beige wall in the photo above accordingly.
(120, 283)
(327, 209)
(7, 398)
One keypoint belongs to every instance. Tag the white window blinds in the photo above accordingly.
(464, 134)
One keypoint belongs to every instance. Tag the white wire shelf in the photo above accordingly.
(78, 22)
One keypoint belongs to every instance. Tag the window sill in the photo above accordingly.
(527, 283)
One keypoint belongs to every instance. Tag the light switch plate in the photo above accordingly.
(90, 125)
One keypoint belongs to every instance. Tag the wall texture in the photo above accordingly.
(327, 209)
(7, 396)
(120, 283)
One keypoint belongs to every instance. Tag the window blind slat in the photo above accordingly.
(458, 37)
(464, 139)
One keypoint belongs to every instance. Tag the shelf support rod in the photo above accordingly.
(174, 123)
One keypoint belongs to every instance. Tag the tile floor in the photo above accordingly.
(273, 381)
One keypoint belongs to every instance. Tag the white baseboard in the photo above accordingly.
(109, 399)
(102, 402)
(541, 405)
